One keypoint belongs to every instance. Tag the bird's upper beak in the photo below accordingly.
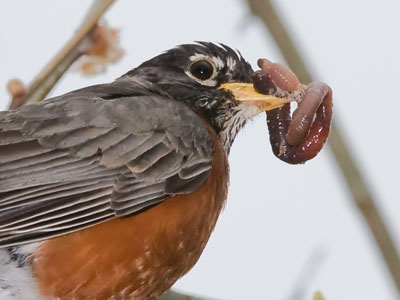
(245, 92)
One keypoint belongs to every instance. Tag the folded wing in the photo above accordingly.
(95, 154)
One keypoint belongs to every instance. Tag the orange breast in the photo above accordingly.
(138, 257)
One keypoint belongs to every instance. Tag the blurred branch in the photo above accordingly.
(307, 273)
(52, 72)
(171, 295)
(362, 196)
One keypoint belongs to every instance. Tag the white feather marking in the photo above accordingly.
(18, 281)
(217, 62)
(197, 56)
(231, 63)
(233, 124)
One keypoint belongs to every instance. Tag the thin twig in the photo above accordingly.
(308, 273)
(52, 72)
(171, 295)
(359, 189)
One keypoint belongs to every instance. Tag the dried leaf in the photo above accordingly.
(101, 49)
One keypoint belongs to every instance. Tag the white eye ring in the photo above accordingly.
(195, 59)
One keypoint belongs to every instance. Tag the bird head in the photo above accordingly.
(213, 80)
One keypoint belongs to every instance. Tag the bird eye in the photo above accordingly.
(202, 69)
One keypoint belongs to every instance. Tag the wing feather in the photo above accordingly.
(92, 155)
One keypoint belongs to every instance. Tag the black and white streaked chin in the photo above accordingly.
(240, 115)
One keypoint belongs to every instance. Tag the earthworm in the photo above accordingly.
(301, 138)
(280, 124)
(303, 116)
(280, 75)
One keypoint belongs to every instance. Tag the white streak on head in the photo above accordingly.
(217, 62)
(231, 63)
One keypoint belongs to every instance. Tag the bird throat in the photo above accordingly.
(231, 127)
(226, 117)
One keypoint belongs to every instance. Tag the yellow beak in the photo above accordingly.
(245, 92)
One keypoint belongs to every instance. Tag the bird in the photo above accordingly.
(112, 191)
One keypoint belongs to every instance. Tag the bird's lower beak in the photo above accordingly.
(245, 92)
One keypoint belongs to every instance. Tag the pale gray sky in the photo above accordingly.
(277, 215)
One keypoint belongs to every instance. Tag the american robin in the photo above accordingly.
(112, 191)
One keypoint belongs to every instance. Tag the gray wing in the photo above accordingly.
(93, 155)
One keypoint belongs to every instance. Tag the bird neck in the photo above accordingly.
(230, 128)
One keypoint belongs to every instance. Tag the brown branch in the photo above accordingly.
(359, 189)
(52, 72)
